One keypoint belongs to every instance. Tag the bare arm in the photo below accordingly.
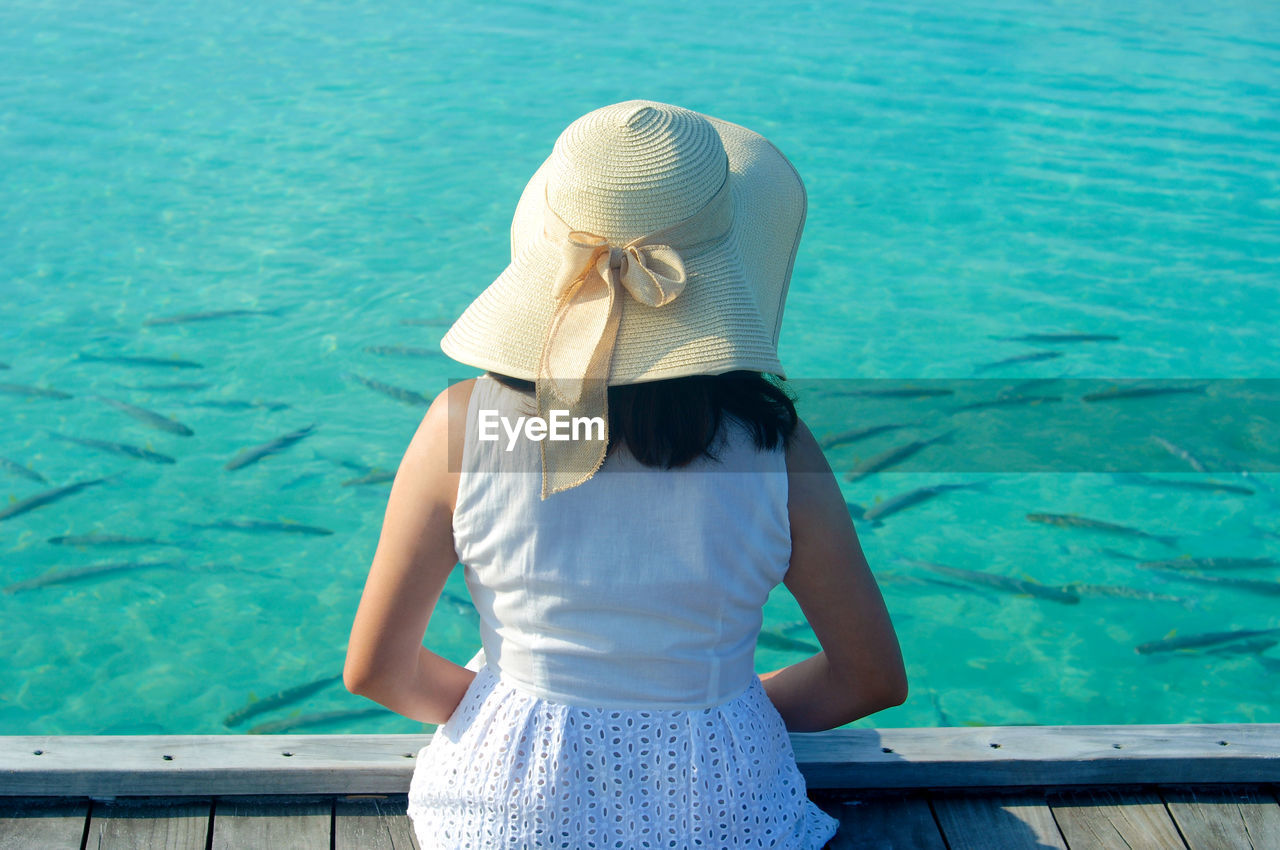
(860, 669)
(386, 661)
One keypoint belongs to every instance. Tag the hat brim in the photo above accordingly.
(728, 317)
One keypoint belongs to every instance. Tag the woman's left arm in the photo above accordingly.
(386, 660)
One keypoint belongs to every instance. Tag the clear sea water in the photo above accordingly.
(975, 170)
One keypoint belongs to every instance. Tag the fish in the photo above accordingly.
(893, 456)
(254, 454)
(462, 605)
(1260, 587)
(118, 448)
(323, 718)
(780, 643)
(899, 392)
(1021, 358)
(176, 386)
(136, 360)
(4, 365)
(1064, 337)
(15, 468)
(1210, 564)
(1181, 453)
(427, 322)
(147, 417)
(377, 476)
(1008, 401)
(846, 437)
(259, 525)
(90, 572)
(1119, 591)
(876, 513)
(1074, 521)
(943, 719)
(48, 497)
(1005, 583)
(1255, 646)
(276, 700)
(1178, 484)
(1200, 641)
(183, 318)
(402, 351)
(407, 396)
(1116, 393)
(240, 404)
(95, 538)
(34, 392)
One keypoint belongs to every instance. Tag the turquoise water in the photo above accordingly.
(988, 170)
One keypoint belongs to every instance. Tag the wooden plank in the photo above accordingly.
(278, 822)
(1112, 820)
(153, 822)
(993, 756)
(372, 823)
(995, 822)
(1040, 756)
(1225, 818)
(883, 823)
(50, 824)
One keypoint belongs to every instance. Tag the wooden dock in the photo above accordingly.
(1208, 787)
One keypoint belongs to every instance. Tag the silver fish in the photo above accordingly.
(1064, 337)
(98, 539)
(1119, 591)
(261, 526)
(33, 392)
(1200, 641)
(90, 572)
(402, 351)
(1180, 453)
(323, 718)
(377, 476)
(138, 360)
(893, 456)
(398, 393)
(276, 700)
(1178, 484)
(1117, 393)
(1255, 646)
(15, 468)
(183, 318)
(899, 392)
(123, 449)
(1074, 521)
(256, 453)
(1021, 358)
(1262, 588)
(846, 437)
(147, 417)
(1005, 583)
(1210, 564)
(240, 404)
(876, 513)
(48, 497)
(1008, 401)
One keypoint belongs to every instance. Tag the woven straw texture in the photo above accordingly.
(625, 171)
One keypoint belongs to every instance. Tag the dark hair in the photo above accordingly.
(670, 423)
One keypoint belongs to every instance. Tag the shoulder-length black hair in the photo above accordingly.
(670, 423)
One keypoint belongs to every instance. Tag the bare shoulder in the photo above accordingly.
(434, 455)
(809, 476)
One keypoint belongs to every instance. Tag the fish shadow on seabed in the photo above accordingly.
(888, 817)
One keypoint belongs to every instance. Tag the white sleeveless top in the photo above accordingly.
(641, 588)
(618, 705)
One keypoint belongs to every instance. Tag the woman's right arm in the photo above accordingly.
(860, 669)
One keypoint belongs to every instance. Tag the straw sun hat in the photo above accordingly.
(655, 242)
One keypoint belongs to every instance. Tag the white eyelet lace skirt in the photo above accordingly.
(510, 770)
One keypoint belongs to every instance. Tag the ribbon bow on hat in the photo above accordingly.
(573, 372)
